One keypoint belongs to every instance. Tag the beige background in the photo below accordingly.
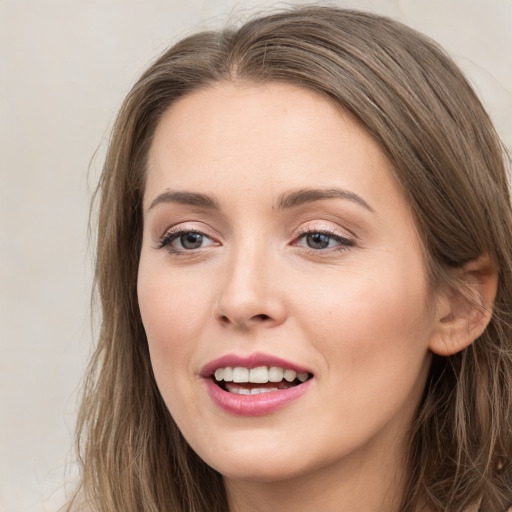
(65, 66)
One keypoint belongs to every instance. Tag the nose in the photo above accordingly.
(250, 293)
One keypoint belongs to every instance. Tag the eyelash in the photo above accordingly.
(343, 242)
(170, 236)
(174, 234)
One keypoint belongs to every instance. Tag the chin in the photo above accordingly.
(261, 471)
(276, 459)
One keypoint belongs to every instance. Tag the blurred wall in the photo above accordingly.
(65, 66)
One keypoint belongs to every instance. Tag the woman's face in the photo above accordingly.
(275, 240)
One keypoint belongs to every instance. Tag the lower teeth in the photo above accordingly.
(254, 391)
(241, 390)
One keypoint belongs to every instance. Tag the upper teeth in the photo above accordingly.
(259, 375)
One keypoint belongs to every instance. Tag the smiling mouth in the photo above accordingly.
(253, 381)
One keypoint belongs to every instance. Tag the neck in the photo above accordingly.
(374, 485)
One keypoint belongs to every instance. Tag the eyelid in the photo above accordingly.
(345, 240)
(326, 228)
(174, 232)
(171, 236)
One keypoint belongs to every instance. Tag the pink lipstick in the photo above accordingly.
(254, 385)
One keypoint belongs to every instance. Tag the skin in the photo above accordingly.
(356, 315)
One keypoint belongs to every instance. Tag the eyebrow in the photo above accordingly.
(189, 198)
(303, 196)
(285, 201)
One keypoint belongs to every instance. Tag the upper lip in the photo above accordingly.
(251, 361)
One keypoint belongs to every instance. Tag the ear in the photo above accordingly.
(463, 314)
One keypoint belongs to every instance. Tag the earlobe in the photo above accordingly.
(464, 313)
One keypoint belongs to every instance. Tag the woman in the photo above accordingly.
(304, 265)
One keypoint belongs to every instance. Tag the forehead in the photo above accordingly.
(264, 133)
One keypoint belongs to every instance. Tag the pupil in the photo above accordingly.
(191, 240)
(317, 240)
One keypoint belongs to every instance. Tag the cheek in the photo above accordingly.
(394, 313)
(172, 320)
(169, 304)
(361, 303)
(170, 314)
(372, 331)
(374, 343)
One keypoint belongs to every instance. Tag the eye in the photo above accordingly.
(183, 241)
(190, 240)
(318, 240)
(321, 240)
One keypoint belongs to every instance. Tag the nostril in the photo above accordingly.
(256, 318)
(261, 317)
(242, 320)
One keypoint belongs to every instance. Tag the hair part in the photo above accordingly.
(449, 162)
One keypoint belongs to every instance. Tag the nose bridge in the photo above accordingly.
(248, 292)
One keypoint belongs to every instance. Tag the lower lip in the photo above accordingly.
(254, 405)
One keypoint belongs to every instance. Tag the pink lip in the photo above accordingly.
(252, 405)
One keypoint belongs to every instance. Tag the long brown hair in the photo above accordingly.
(417, 105)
